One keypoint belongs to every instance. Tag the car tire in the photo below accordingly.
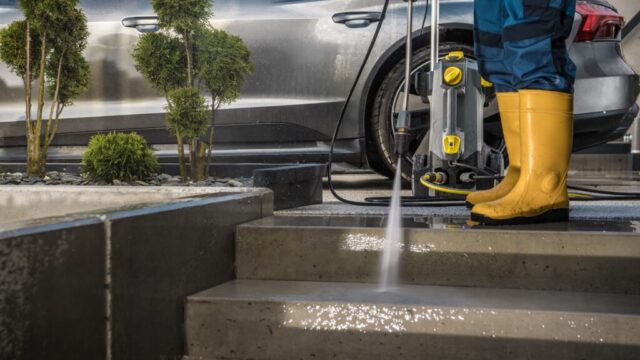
(383, 159)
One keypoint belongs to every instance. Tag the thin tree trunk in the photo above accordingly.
(27, 81)
(181, 162)
(52, 122)
(38, 168)
(212, 123)
(189, 50)
(202, 167)
(193, 159)
(27, 98)
(54, 130)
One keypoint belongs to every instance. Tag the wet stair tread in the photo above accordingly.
(348, 250)
(422, 295)
(249, 319)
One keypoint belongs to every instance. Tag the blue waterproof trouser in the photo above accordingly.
(520, 44)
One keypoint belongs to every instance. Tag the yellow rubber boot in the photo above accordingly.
(540, 195)
(509, 104)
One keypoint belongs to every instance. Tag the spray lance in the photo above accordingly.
(403, 122)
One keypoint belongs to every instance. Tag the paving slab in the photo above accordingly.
(316, 320)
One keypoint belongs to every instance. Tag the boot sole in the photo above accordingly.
(555, 215)
(469, 205)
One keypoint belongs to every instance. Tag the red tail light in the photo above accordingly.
(598, 22)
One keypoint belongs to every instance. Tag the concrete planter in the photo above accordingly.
(97, 273)
(293, 185)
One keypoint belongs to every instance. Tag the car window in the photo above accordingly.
(8, 3)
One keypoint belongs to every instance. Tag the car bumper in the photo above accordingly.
(606, 92)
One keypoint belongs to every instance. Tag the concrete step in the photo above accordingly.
(602, 257)
(248, 319)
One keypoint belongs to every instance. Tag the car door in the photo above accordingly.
(118, 98)
(306, 54)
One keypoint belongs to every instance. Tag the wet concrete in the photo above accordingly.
(358, 186)
(601, 257)
(317, 320)
(447, 223)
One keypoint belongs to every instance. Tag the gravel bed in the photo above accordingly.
(61, 178)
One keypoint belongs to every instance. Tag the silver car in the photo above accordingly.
(307, 54)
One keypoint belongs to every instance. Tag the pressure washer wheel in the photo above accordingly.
(388, 102)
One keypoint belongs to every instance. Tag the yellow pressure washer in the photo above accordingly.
(452, 156)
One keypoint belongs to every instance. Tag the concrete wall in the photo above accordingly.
(52, 293)
(53, 297)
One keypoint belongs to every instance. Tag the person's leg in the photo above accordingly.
(489, 22)
(534, 38)
(535, 34)
(490, 17)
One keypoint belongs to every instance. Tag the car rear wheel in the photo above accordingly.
(388, 102)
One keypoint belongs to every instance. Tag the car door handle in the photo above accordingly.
(357, 19)
(143, 24)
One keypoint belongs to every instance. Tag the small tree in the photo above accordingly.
(222, 63)
(46, 48)
(185, 57)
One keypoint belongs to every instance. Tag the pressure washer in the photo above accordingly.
(449, 158)
(452, 160)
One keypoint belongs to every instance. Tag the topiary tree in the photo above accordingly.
(118, 156)
(188, 116)
(222, 63)
(161, 60)
(46, 48)
(185, 57)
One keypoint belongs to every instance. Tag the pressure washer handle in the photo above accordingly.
(435, 33)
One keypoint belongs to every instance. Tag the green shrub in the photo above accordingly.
(118, 156)
(188, 113)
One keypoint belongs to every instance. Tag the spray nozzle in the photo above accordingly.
(403, 139)
(403, 134)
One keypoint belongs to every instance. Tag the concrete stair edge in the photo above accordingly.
(573, 261)
(286, 320)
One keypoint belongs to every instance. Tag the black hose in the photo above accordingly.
(604, 192)
(474, 168)
(345, 107)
